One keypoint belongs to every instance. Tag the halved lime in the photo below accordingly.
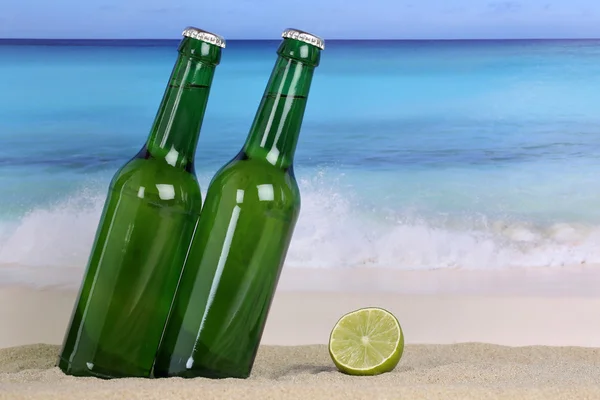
(368, 341)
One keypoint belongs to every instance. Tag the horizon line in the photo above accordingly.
(330, 40)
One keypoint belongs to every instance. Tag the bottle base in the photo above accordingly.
(199, 372)
(95, 371)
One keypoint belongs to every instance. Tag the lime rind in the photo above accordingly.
(367, 341)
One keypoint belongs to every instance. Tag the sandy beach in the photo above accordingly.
(460, 371)
(520, 335)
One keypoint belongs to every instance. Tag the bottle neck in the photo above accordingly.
(174, 134)
(276, 127)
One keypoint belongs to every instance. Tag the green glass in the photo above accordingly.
(242, 236)
(143, 235)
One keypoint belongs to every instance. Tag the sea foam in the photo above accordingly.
(50, 245)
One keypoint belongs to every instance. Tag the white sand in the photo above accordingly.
(439, 309)
(460, 371)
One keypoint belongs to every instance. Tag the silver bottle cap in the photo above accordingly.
(304, 37)
(204, 36)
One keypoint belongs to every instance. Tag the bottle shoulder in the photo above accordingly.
(157, 182)
(256, 181)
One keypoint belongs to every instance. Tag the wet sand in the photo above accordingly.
(465, 340)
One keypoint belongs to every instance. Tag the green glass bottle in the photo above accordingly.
(243, 233)
(144, 232)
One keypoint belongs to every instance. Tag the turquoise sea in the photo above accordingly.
(413, 154)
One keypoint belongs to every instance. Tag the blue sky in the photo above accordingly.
(332, 19)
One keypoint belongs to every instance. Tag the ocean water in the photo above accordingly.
(413, 155)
